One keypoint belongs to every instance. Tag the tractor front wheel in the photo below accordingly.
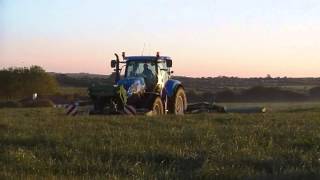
(157, 106)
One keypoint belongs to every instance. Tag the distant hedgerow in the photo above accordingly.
(21, 82)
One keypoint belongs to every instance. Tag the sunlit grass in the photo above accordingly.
(45, 143)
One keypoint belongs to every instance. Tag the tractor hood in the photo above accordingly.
(133, 85)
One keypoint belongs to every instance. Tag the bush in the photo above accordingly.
(225, 96)
(192, 96)
(22, 82)
(315, 92)
(260, 93)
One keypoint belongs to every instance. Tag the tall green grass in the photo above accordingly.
(44, 143)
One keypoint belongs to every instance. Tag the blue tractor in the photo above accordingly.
(146, 87)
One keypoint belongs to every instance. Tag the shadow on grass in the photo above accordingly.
(289, 176)
(178, 166)
(300, 110)
(103, 162)
(28, 142)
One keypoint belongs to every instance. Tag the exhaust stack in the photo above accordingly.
(117, 70)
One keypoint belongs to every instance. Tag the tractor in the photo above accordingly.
(146, 87)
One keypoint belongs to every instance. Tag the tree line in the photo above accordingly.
(65, 80)
(22, 82)
(255, 94)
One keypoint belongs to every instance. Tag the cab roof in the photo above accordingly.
(146, 58)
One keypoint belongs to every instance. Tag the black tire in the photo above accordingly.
(178, 103)
(157, 107)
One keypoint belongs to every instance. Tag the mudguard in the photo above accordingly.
(171, 86)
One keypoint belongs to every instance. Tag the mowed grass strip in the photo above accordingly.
(45, 143)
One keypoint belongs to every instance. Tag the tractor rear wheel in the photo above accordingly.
(157, 106)
(177, 104)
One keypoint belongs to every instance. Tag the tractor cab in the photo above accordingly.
(152, 71)
(144, 69)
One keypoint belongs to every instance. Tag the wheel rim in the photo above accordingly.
(156, 109)
(179, 105)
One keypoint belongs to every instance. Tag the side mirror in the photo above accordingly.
(169, 63)
(113, 63)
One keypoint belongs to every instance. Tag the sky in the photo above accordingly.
(244, 38)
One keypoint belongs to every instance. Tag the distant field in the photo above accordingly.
(300, 89)
(278, 107)
(294, 88)
(73, 90)
(83, 90)
(44, 143)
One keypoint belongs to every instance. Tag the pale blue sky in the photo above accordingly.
(222, 37)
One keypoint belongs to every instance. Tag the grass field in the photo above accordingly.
(44, 143)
